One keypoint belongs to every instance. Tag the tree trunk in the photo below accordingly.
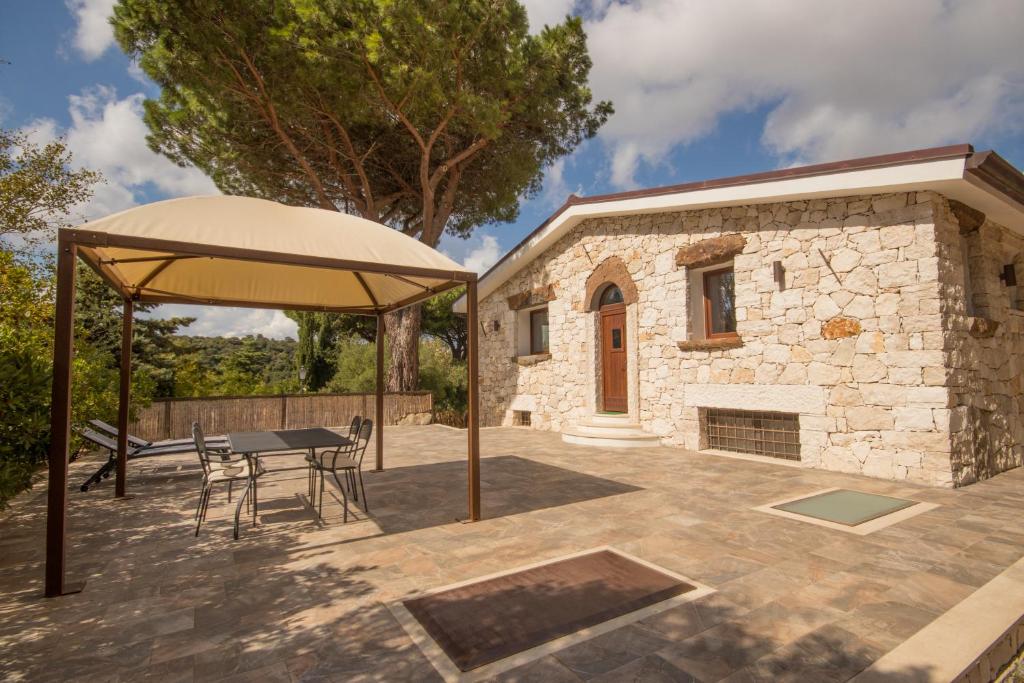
(403, 332)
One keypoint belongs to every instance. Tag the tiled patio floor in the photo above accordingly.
(292, 600)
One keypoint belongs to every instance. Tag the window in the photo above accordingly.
(611, 295)
(719, 303)
(539, 331)
(776, 435)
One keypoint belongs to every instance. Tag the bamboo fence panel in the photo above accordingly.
(172, 418)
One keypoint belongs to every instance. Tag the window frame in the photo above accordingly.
(533, 316)
(708, 333)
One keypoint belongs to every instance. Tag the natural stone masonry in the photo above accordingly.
(868, 339)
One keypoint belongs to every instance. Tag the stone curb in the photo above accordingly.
(971, 642)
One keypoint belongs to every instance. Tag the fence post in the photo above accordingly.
(284, 411)
(167, 419)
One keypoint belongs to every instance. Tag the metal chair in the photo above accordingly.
(350, 461)
(353, 431)
(218, 468)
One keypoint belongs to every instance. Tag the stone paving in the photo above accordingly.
(297, 600)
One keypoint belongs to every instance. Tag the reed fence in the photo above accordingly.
(172, 418)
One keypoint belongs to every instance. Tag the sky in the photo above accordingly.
(701, 90)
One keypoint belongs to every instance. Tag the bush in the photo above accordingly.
(26, 361)
(356, 368)
(444, 378)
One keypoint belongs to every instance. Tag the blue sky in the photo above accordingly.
(701, 90)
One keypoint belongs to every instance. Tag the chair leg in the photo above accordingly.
(255, 502)
(230, 482)
(350, 485)
(204, 501)
(366, 508)
(320, 505)
(344, 498)
(199, 506)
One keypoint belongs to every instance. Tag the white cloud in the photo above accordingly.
(483, 257)
(93, 32)
(547, 12)
(212, 321)
(477, 254)
(838, 83)
(108, 135)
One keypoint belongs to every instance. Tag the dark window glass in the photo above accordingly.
(720, 303)
(616, 338)
(539, 331)
(611, 295)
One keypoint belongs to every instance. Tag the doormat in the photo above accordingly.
(493, 619)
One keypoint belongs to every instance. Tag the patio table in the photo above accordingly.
(252, 444)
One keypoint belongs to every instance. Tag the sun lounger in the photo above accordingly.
(108, 443)
(136, 442)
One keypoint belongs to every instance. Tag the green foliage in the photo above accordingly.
(440, 322)
(426, 115)
(99, 310)
(227, 366)
(356, 367)
(26, 361)
(318, 336)
(443, 376)
(38, 189)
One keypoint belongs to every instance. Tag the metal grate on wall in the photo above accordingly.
(776, 435)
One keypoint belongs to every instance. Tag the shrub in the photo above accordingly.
(26, 361)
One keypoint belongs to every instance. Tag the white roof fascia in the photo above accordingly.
(902, 178)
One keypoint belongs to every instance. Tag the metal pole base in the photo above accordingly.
(69, 589)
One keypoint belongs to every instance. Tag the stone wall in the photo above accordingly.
(859, 341)
(984, 330)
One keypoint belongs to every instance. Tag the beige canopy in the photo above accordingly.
(241, 251)
(225, 250)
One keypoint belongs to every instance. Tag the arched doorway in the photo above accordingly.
(612, 316)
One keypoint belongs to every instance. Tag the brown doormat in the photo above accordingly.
(482, 622)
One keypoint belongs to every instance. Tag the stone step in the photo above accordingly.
(609, 419)
(594, 428)
(628, 439)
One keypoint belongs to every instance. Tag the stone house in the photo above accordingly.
(862, 316)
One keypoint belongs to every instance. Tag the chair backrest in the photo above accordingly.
(363, 440)
(200, 441)
(353, 429)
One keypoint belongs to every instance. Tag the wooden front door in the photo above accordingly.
(613, 357)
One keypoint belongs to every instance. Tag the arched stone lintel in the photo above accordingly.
(611, 270)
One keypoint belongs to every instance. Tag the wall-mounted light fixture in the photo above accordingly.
(780, 274)
(495, 325)
(1009, 275)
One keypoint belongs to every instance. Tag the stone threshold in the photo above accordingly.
(751, 457)
(972, 641)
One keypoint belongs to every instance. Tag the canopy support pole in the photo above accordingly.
(124, 396)
(473, 368)
(379, 398)
(60, 421)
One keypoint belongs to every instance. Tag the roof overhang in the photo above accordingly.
(244, 251)
(981, 180)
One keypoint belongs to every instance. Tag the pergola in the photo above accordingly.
(241, 251)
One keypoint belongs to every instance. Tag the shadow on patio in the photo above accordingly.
(421, 496)
(295, 600)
